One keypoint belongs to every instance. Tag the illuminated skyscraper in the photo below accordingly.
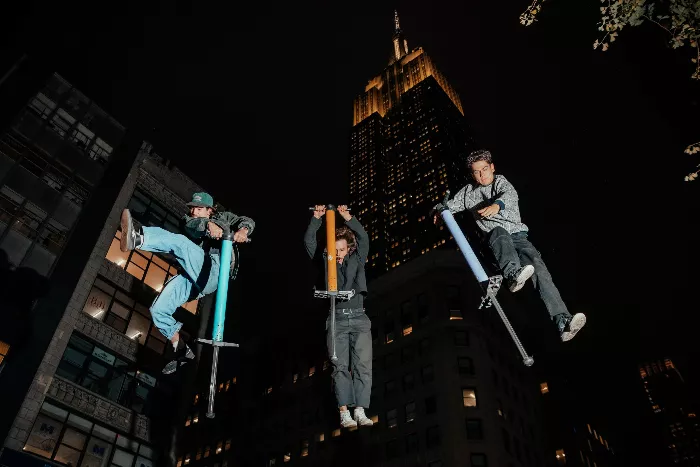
(407, 147)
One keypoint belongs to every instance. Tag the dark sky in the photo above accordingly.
(256, 105)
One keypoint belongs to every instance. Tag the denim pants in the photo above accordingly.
(513, 251)
(352, 372)
(178, 290)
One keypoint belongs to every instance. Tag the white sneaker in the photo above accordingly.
(346, 420)
(360, 417)
(521, 277)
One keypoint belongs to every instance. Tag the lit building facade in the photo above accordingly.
(86, 386)
(448, 387)
(674, 411)
(408, 145)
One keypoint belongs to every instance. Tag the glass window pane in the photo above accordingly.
(66, 212)
(43, 436)
(160, 262)
(138, 327)
(122, 458)
(40, 259)
(97, 303)
(79, 422)
(74, 357)
(139, 260)
(125, 299)
(53, 411)
(97, 453)
(120, 310)
(116, 322)
(73, 438)
(135, 271)
(148, 452)
(127, 443)
(67, 455)
(116, 255)
(155, 277)
(143, 462)
(191, 306)
(105, 286)
(15, 245)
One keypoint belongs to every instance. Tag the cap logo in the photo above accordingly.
(198, 198)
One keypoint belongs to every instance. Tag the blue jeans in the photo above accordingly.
(178, 290)
(353, 347)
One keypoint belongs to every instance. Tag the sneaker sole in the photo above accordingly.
(575, 326)
(126, 243)
(522, 278)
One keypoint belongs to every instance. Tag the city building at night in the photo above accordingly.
(408, 145)
(80, 376)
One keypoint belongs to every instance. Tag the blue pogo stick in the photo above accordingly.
(219, 314)
(490, 285)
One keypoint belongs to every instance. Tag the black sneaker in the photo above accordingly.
(182, 355)
(131, 237)
(569, 326)
(520, 277)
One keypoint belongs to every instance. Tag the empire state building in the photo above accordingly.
(408, 144)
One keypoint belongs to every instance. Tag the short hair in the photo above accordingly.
(480, 155)
(345, 233)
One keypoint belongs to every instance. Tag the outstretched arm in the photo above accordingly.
(236, 222)
(460, 202)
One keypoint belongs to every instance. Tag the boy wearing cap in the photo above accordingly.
(198, 255)
(493, 202)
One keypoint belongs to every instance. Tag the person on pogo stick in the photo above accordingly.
(199, 256)
(493, 202)
(353, 329)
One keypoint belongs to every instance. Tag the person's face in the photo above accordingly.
(341, 249)
(482, 172)
(201, 212)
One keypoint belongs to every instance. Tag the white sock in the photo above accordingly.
(175, 345)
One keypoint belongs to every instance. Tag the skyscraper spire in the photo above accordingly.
(400, 44)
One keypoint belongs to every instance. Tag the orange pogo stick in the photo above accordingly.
(332, 273)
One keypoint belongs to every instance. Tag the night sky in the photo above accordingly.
(256, 106)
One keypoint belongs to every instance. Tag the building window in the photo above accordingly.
(42, 105)
(305, 448)
(430, 405)
(228, 444)
(100, 151)
(407, 318)
(469, 397)
(121, 312)
(312, 371)
(544, 388)
(391, 419)
(407, 354)
(474, 429)
(392, 449)
(335, 433)
(455, 314)
(427, 374)
(389, 387)
(412, 443)
(478, 460)
(465, 365)
(561, 457)
(66, 438)
(409, 381)
(506, 439)
(410, 412)
(321, 437)
(61, 122)
(389, 331)
(423, 308)
(432, 437)
(461, 338)
(104, 373)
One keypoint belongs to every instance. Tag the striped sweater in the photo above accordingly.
(475, 197)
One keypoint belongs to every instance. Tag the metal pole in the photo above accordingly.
(220, 313)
